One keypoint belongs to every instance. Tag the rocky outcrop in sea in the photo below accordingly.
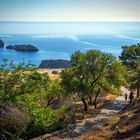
(23, 48)
(1, 44)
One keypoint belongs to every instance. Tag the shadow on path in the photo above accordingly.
(97, 120)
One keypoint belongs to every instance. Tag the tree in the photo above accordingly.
(130, 57)
(91, 73)
(54, 93)
(135, 79)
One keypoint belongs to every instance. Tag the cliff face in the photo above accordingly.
(23, 48)
(54, 64)
(1, 44)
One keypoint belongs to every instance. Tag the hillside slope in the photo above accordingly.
(125, 125)
(95, 121)
(129, 124)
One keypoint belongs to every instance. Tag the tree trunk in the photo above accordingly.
(95, 104)
(90, 100)
(49, 101)
(85, 104)
(138, 92)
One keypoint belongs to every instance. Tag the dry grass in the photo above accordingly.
(49, 71)
(12, 119)
(113, 120)
(97, 134)
(110, 97)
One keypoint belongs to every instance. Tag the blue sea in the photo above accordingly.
(58, 40)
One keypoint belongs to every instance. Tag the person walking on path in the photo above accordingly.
(125, 96)
(131, 96)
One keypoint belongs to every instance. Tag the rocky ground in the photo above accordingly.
(94, 121)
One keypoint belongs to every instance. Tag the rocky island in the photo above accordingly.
(23, 48)
(54, 64)
(1, 44)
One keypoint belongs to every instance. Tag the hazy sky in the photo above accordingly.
(70, 10)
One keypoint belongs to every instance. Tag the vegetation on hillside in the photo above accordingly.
(23, 89)
(92, 73)
(32, 104)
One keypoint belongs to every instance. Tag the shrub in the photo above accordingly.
(45, 120)
(55, 72)
(11, 121)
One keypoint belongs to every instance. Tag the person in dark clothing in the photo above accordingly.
(131, 96)
(125, 96)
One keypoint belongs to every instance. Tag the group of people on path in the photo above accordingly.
(131, 96)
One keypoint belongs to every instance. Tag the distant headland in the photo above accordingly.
(54, 64)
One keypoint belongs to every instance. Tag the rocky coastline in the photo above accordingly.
(45, 64)
(54, 64)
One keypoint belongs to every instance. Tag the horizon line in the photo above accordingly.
(70, 21)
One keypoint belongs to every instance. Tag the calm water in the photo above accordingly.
(59, 40)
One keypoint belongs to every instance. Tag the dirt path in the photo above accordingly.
(96, 120)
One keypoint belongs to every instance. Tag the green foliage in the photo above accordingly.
(45, 120)
(92, 72)
(134, 79)
(12, 80)
(54, 93)
(130, 56)
(24, 87)
(90, 68)
(42, 99)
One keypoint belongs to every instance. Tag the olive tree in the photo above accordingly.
(91, 73)
(130, 57)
